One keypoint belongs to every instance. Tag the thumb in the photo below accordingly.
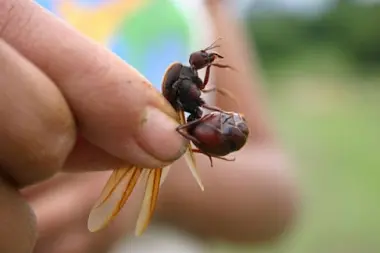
(116, 108)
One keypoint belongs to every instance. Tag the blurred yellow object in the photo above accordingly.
(105, 19)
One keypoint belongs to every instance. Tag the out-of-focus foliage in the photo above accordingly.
(350, 29)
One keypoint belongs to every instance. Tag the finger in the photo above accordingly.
(69, 200)
(73, 239)
(17, 223)
(88, 157)
(116, 108)
(37, 130)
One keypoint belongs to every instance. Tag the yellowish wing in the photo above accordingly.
(153, 182)
(189, 155)
(165, 172)
(114, 196)
(117, 191)
(113, 181)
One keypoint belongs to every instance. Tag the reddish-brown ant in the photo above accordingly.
(217, 134)
(182, 86)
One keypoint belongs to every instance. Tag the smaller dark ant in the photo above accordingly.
(182, 86)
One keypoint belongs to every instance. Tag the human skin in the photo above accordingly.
(64, 79)
(67, 103)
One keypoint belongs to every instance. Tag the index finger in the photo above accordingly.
(116, 108)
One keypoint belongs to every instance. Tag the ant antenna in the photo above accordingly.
(212, 46)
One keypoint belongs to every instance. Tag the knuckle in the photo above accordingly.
(32, 149)
(15, 18)
(46, 159)
(56, 151)
(57, 145)
(6, 10)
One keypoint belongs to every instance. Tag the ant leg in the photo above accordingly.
(224, 92)
(223, 66)
(217, 55)
(207, 76)
(187, 136)
(202, 103)
(180, 128)
(225, 158)
(217, 157)
(192, 117)
(196, 114)
(208, 69)
(209, 157)
(189, 124)
(213, 108)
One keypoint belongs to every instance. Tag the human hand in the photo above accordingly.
(84, 76)
(67, 104)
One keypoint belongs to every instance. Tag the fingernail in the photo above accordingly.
(158, 136)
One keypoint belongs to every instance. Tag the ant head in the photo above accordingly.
(203, 58)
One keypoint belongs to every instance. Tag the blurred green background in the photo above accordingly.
(322, 74)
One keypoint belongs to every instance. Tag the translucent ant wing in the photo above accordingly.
(153, 182)
(115, 194)
(113, 181)
(165, 172)
(189, 155)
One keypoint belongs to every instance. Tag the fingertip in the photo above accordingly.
(38, 130)
(158, 136)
